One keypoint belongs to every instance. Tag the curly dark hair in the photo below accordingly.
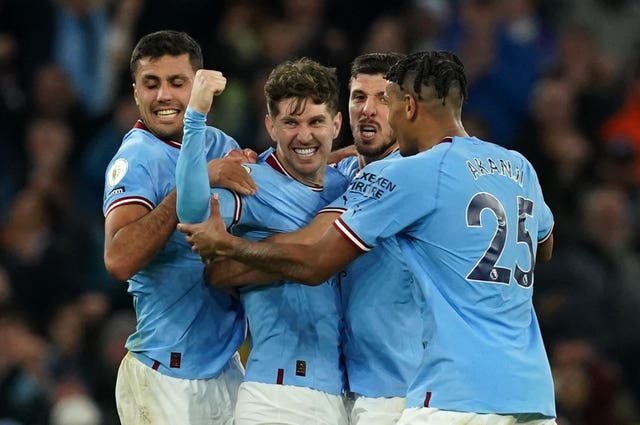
(301, 79)
(441, 70)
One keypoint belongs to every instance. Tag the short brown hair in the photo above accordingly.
(301, 79)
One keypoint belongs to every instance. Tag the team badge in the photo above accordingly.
(247, 169)
(117, 171)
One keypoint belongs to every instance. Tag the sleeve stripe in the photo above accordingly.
(332, 210)
(349, 234)
(129, 200)
(238, 208)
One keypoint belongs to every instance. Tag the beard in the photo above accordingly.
(373, 152)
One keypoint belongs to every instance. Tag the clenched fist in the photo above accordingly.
(206, 84)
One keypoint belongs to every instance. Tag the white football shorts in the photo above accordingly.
(260, 403)
(144, 396)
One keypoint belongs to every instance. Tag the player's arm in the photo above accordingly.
(224, 172)
(545, 250)
(133, 235)
(342, 153)
(229, 173)
(311, 264)
(193, 174)
(225, 272)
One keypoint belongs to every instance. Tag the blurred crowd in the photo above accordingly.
(558, 80)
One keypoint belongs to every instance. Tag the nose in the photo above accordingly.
(305, 134)
(370, 107)
(164, 93)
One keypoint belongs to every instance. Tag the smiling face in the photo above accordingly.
(304, 140)
(368, 116)
(161, 89)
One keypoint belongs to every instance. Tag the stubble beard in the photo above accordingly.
(371, 153)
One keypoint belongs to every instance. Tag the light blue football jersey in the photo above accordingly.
(295, 329)
(188, 328)
(382, 311)
(349, 166)
(468, 216)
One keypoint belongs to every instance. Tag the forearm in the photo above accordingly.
(132, 246)
(192, 180)
(342, 153)
(284, 261)
(230, 273)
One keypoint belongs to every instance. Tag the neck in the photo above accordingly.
(364, 160)
(435, 134)
(315, 179)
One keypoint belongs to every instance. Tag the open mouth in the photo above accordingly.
(305, 152)
(167, 113)
(368, 131)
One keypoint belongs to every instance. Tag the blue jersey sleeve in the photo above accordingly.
(382, 200)
(136, 174)
(192, 179)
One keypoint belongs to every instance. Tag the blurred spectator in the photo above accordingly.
(44, 255)
(99, 151)
(588, 387)
(80, 37)
(613, 25)
(6, 293)
(503, 45)
(624, 123)
(49, 143)
(73, 406)
(24, 381)
(236, 46)
(590, 289)
(52, 96)
(427, 19)
(387, 33)
(593, 78)
(108, 352)
(560, 153)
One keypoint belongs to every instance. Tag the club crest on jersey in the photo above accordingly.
(246, 168)
(117, 171)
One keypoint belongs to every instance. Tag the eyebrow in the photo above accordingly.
(359, 91)
(153, 77)
(288, 117)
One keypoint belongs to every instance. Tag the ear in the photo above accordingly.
(337, 124)
(410, 107)
(135, 94)
(269, 125)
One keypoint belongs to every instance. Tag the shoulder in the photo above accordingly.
(219, 134)
(263, 174)
(220, 141)
(333, 174)
(348, 166)
(140, 146)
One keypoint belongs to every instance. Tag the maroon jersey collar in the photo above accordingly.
(142, 126)
(274, 163)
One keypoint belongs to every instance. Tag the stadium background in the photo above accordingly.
(557, 80)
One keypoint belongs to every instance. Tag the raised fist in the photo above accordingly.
(206, 84)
